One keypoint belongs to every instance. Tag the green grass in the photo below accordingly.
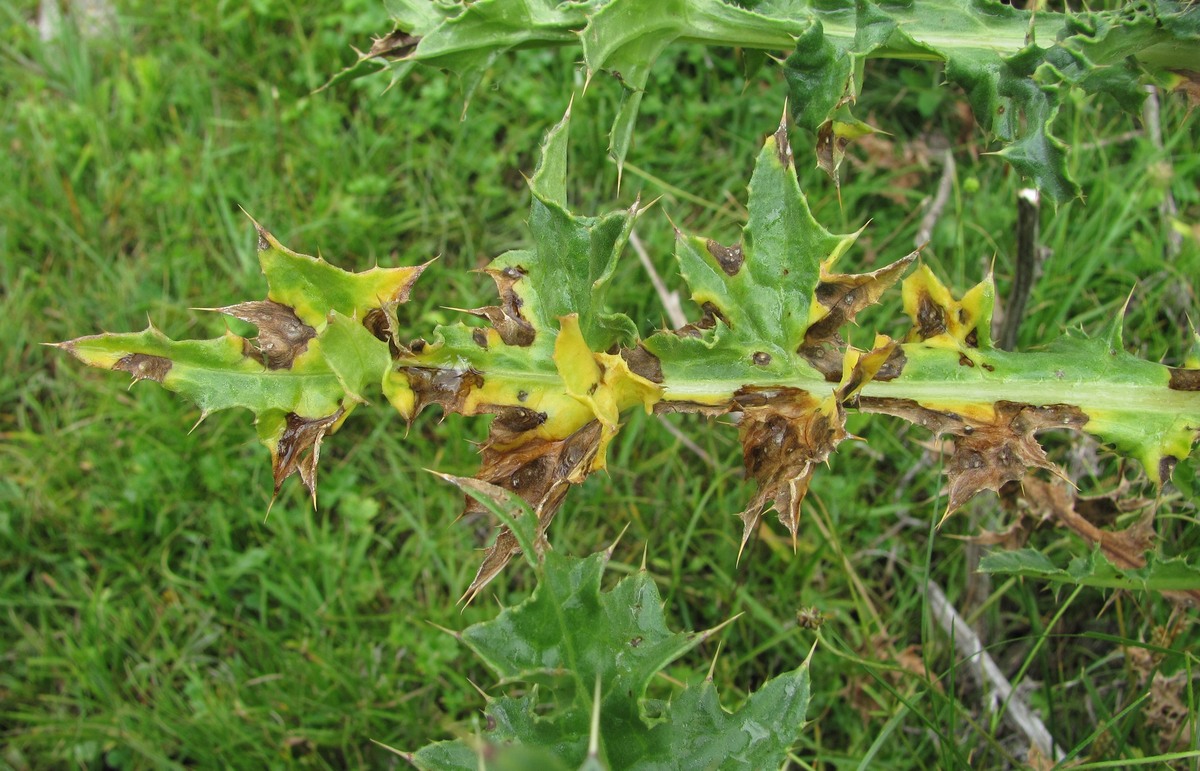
(154, 617)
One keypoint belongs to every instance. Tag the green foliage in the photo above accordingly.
(150, 605)
(1094, 569)
(1014, 65)
(584, 659)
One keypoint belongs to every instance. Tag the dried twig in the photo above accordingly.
(1167, 209)
(669, 298)
(984, 667)
(940, 199)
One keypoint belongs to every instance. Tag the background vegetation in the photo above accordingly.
(152, 616)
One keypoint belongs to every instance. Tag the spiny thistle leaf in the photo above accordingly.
(314, 357)
(543, 367)
(1169, 576)
(994, 401)
(772, 313)
(1014, 65)
(557, 369)
(570, 636)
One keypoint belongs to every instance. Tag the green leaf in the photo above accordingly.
(1094, 569)
(757, 294)
(1015, 66)
(567, 636)
(626, 37)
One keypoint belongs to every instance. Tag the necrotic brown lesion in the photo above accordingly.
(1183, 379)
(144, 366)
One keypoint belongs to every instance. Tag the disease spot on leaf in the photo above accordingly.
(730, 258)
(826, 358)
(480, 338)
(143, 366)
(395, 45)
(1184, 379)
(444, 387)
(782, 146)
(761, 358)
(506, 318)
(383, 325)
(515, 419)
(844, 295)
(1166, 467)
(282, 336)
(931, 318)
(987, 454)
(785, 434)
(893, 367)
(643, 363)
(298, 449)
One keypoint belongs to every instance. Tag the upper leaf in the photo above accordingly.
(1014, 65)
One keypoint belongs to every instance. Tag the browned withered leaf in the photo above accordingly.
(539, 470)
(507, 319)
(298, 449)
(282, 336)
(506, 546)
(987, 453)
(786, 433)
(1125, 549)
(841, 296)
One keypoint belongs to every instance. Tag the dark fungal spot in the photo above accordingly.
(1184, 379)
(643, 363)
(782, 147)
(965, 361)
(931, 319)
(480, 337)
(144, 366)
(1166, 467)
(761, 358)
(730, 258)
(894, 365)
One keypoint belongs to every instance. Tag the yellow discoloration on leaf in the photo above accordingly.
(312, 287)
(602, 382)
(1173, 441)
(941, 321)
(399, 393)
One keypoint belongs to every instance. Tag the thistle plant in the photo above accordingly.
(556, 367)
